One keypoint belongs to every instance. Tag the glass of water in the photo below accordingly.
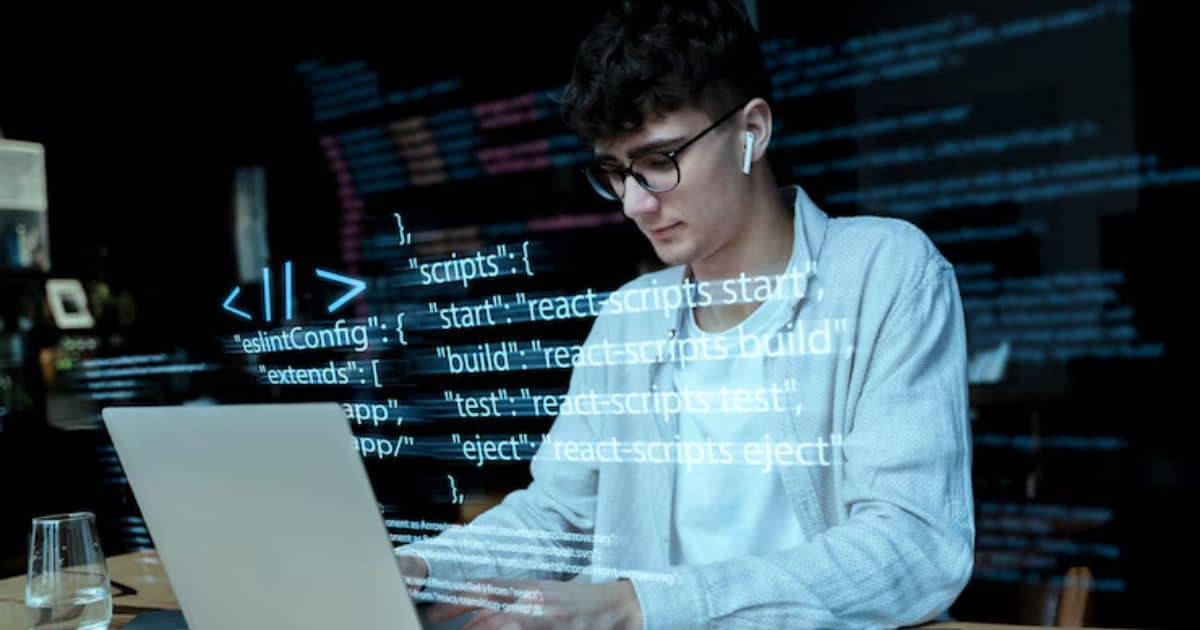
(67, 584)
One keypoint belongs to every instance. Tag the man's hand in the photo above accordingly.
(536, 604)
(412, 567)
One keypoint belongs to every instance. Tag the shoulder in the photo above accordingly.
(880, 250)
(887, 267)
(897, 239)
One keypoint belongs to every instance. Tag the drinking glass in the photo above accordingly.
(67, 585)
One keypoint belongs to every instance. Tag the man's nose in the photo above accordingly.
(638, 201)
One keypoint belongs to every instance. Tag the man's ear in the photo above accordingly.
(757, 117)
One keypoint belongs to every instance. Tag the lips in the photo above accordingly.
(667, 231)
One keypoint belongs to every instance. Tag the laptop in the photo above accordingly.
(263, 516)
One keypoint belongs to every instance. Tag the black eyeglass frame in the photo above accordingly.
(626, 171)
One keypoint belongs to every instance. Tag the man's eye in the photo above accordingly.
(657, 162)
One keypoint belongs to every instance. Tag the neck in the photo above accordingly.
(762, 247)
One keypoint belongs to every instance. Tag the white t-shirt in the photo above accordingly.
(726, 510)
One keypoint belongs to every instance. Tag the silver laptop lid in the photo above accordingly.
(263, 516)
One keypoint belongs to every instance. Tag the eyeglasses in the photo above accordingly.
(656, 172)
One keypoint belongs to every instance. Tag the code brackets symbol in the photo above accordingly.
(405, 237)
(455, 497)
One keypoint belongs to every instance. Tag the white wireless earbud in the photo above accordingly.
(748, 153)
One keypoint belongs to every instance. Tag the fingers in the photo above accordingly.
(441, 611)
(492, 595)
(480, 619)
(496, 620)
(412, 566)
(523, 613)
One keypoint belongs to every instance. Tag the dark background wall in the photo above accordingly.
(1081, 459)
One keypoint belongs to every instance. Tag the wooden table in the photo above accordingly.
(144, 573)
(140, 571)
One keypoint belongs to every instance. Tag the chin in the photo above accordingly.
(674, 254)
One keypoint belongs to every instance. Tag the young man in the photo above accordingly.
(781, 439)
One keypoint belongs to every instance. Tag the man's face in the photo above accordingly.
(700, 216)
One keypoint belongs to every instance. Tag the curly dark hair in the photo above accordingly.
(654, 57)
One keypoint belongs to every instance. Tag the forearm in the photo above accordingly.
(868, 572)
(518, 539)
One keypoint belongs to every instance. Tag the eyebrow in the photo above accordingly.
(649, 147)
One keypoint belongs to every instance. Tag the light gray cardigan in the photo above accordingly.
(889, 526)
